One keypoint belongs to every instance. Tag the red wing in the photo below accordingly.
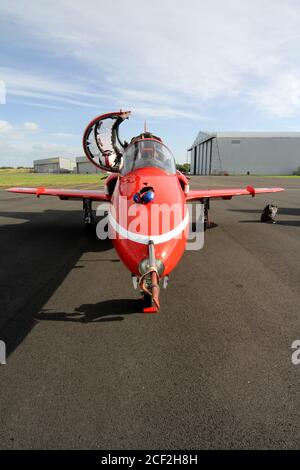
(93, 194)
(228, 193)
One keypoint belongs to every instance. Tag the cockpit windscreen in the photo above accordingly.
(148, 153)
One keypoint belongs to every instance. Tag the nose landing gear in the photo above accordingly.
(149, 283)
(154, 297)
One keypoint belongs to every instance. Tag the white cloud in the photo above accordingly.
(63, 134)
(33, 86)
(2, 92)
(17, 130)
(143, 103)
(48, 149)
(30, 126)
(38, 105)
(168, 59)
(280, 98)
(5, 127)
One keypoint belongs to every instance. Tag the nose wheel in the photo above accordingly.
(148, 304)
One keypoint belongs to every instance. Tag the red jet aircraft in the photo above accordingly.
(143, 177)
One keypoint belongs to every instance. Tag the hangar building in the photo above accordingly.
(83, 165)
(54, 165)
(269, 153)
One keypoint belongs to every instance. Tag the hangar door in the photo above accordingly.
(87, 167)
(46, 168)
(202, 158)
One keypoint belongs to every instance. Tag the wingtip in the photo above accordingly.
(12, 190)
(277, 190)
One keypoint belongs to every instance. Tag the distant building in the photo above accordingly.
(54, 165)
(270, 153)
(83, 165)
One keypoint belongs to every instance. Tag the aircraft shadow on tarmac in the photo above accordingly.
(289, 211)
(37, 254)
(195, 228)
(108, 310)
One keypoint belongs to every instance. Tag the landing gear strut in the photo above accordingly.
(149, 283)
(206, 217)
(88, 213)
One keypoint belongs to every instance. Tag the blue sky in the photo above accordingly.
(183, 66)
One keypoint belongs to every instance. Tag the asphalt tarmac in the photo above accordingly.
(213, 369)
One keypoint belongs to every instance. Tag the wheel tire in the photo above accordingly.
(147, 301)
(90, 228)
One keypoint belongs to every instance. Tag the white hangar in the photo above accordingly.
(54, 165)
(83, 166)
(265, 153)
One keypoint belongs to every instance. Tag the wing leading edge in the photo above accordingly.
(97, 195)
(195, 194)
(93, 195)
